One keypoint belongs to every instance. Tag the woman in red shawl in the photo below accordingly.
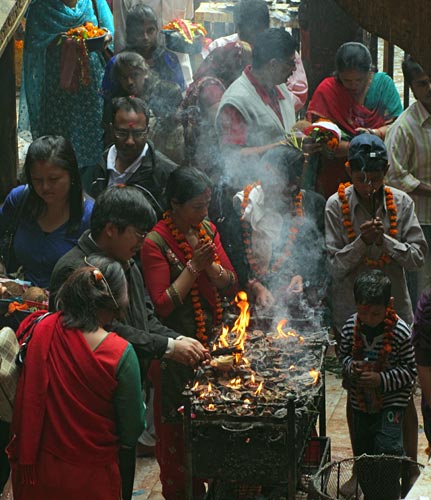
(78, 400)
(186, 272)
(215, 74)
(358, 100)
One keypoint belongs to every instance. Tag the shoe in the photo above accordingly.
(142, 450)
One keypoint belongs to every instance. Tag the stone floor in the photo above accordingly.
(148, 487)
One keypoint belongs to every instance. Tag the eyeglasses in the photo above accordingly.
(141, 236)
(121, 133)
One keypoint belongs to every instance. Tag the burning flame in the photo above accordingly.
(315, 375)
(210, 388)
(223, 340)
(282, 334)
(259, 389)
(235, 383)
(196, 386)
(241, 323)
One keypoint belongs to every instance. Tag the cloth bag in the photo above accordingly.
(9, 372)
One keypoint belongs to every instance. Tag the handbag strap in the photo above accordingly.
(20, 208)
(20, 357)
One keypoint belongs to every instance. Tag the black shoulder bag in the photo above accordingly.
(7, 255)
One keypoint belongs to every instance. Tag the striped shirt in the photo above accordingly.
(398, 378)
(408, 142)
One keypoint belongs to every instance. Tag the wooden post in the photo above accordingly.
(324, 27)
(8, 139)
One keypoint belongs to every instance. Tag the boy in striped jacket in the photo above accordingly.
(379, 363)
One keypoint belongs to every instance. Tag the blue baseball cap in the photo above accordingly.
(365, 147)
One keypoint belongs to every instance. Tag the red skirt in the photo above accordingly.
(60, 480)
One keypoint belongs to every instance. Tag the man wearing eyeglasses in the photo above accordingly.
(132, 160)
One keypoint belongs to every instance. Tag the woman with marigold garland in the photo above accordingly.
(372, 226)
(186, 272)
(279, 224)
(379, 364)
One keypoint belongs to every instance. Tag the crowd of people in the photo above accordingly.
(147, 203)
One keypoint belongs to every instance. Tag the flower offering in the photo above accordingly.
(324, 132)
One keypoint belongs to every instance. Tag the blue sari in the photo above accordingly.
(47, 109)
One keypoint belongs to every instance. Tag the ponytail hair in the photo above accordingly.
(99, 286)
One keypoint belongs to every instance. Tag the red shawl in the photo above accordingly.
(64, 400)
(206, 288)
(332, 101)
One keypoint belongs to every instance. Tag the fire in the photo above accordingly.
(196, 386)
(315, 375)
(281, 333)
(259, 389)
(241, 323)
(210, 388)
(223, 340)
(252, 378)
(235, 383)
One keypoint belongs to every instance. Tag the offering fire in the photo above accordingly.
(252, 373)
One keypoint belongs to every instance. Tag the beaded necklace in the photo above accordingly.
(247, 234)
(347, 222)
(201, 333)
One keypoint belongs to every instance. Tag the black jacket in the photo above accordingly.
(140, 327)
(150, 177)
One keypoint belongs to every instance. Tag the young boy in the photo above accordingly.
(369, 225)
(379, 364)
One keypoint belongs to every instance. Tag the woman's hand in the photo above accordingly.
(264, 298)
(296, 285)
(107, 40)
(203, 256)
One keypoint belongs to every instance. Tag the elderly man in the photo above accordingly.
(257, 110)
(252, 17)
(119, 221)
(132, 159)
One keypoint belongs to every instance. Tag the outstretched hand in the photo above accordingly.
(189, 351)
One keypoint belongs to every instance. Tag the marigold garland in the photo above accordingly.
(194, 292)
(347, 222)
(390, 321)
(247, 234)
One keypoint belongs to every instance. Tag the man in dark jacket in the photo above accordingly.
(119, 221)
(132, 159)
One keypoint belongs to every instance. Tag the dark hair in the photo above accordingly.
(129, 103)
(288, 161)
(86, 293)
(127, 59)
(123, 206)
(370, 165)
(59, 152)
(411, 69)
(273, 43)
(136, 17)
(372, 288)
(185, 183)
(353, 55)
(251, 15)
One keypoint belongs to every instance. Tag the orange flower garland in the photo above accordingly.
(347, 222)
(390, 321)
(246, 229)
(187, 250)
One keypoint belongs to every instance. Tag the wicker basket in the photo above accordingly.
(370, 477)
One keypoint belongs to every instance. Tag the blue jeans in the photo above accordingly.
(375, 434)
